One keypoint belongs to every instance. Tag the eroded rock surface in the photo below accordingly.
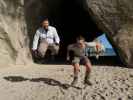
(116, 18)
(13, 33)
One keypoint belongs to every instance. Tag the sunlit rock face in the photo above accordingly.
(13, 33)
(20, 18)
(116, 18)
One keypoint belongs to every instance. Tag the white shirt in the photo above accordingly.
(91, 44)
(51, 36)
(87, 44)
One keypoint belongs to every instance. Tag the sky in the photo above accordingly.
(103, 39)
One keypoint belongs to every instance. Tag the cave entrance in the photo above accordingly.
(73, 20)
(70, 19)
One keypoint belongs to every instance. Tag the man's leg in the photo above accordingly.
(43, 46)
(76, 69)
(54, 50)
(88, 66)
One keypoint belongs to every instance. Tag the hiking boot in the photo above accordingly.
(75, 81)
(87, 79)
(88, 82)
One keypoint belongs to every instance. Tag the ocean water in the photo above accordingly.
(109, 52)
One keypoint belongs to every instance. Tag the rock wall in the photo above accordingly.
(13, 33)
(19, 20)
(116, 18)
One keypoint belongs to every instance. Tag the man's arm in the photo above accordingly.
(90, 44)
(35, 41)
(56, 36)
(96, 45)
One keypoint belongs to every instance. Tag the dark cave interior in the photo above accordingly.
(71, 20)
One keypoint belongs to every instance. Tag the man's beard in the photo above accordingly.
(46, 28)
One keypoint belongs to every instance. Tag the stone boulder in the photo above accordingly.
(115, 17)
(13, 33)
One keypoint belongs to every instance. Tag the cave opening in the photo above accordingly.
(71, 20)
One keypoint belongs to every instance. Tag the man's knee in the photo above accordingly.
(41, 54)
(54, 49)
(76, 67)
(87, 62)
(57, 49)
(88, 67)
(42, 48)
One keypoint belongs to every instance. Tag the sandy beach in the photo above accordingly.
(52, 82)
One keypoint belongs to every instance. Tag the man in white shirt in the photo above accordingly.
(46, 38)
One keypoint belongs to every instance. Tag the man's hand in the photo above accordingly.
(34, 52)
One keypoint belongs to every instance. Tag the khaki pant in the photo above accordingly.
(84, 60)
(44, 46)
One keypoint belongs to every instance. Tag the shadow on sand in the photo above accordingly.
(48, 81)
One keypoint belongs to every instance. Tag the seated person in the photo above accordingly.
(46, 38)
